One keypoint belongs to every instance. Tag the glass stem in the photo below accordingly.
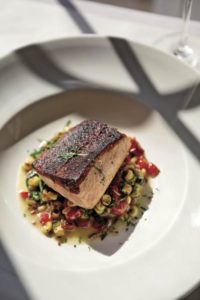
(186, 20)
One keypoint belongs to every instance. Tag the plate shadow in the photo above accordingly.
(110, 107)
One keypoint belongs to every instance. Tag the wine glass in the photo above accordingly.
(177, 43)
(183, 50)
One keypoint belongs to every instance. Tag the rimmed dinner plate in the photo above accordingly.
(41, 88)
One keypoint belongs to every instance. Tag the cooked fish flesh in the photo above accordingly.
(82, 163)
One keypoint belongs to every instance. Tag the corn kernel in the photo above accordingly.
(134, 159)
(99, 208)
(59, 231)
(129, 166)
(47, 227)
(31, 202)
(70, 204)
(49, 196)
(55, 215)
(137, 191)
(127, 189)
(129, 199)
(34, 181)
(135, 212)
(28, 164)
(129, 175)
(106, 199)
(124, 217)
(42, 208)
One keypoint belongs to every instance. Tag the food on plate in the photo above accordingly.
(89, 177)
(82, 164)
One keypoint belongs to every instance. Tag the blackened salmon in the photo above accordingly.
(81, 164)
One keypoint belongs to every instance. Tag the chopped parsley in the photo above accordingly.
(41, 186)
(64, 240)
(68, 123)
(35, 195)
(36, 153)
(103, 235)
(69, 155)
(87, 212)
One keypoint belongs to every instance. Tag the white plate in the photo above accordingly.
(160, 259)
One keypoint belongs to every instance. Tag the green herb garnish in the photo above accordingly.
(41, 186)
(68, 123)
(35, 196)
(65, 240)
(49, 144)
(103, 235)
(36, 153)
(69, 155)
(87, 212)
(143, 208)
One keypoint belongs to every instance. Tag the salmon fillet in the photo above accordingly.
(81, 164)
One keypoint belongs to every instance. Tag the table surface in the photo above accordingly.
(169, 8)
(24, 22)
(20, 17)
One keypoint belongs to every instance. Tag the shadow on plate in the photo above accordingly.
(110, 107)
(113, 242)
(11, 286)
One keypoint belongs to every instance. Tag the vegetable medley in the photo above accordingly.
(125, 200)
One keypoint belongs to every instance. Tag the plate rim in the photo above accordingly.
(98, 36)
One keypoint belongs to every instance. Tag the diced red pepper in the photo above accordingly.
(72, 213)
(135, 148)
(83, 223)
(67, 226)
(115, 189)
(23, 194)
(142, 163)
(120, 208)
(152, 170)
(44, 217)
(134, 143)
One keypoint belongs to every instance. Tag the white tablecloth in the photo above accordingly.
(27, 21)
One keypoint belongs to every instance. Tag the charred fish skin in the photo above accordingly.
(70, 159)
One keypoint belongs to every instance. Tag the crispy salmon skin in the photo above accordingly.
(81, 164)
